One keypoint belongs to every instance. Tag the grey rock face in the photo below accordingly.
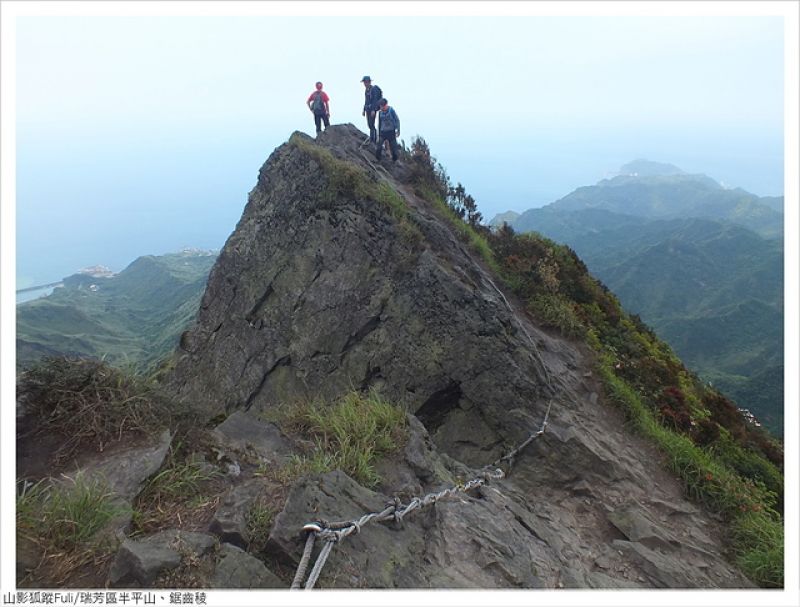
(126, 470)
(139, 563)
(245, 433)
(230, 520)
(320, 290)
(238, 569)
(312, 296)
(183, 542)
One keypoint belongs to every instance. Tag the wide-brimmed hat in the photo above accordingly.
(366, 79)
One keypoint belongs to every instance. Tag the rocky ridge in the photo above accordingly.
(328, 284)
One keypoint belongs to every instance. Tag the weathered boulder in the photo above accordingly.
(245, 433)
(121, 471)
(238, 569)
(315, 293)
(125, 468)
(187, 543)
(140, 562)
(230, 520)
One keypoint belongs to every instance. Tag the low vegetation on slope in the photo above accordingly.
(730, 465)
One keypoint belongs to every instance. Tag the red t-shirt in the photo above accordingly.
(325, 97)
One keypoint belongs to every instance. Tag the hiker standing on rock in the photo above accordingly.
(372, 96)
(389, 127)
(318, 104)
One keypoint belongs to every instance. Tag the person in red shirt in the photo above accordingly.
(318, 104)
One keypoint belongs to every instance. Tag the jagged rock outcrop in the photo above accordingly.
(338, 277)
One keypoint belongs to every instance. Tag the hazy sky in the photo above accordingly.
(139, 135)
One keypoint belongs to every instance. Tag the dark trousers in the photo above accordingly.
(321, 118)
(373, 134)
(392, 139)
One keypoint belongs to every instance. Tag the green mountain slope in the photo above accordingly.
(135, 317)
(690, 267)
(712, 288)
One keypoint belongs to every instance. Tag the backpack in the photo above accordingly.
(318, 105)
(387, 120)
(375, 94)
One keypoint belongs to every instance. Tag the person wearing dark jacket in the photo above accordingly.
(372, 95)
(389, 128)
(318, 104)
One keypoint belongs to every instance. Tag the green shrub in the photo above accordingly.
(747, 463)
(555, 311)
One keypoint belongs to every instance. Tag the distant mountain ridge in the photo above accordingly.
(665, 192)
(692, 259)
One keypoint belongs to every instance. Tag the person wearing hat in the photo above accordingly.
(389, 128)
(372, 94)
(318, 104)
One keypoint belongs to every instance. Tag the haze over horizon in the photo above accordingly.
(154, 143)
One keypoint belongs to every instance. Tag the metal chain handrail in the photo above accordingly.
(334, 532)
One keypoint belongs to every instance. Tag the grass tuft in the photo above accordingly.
(64, 517)
(259, 520)
(350, 435)
(758, 541)
(177, 490)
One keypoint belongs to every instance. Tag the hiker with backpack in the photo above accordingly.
(389, 128)
(372, 96)
(318, 104)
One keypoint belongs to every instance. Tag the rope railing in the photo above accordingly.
(334, 532)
